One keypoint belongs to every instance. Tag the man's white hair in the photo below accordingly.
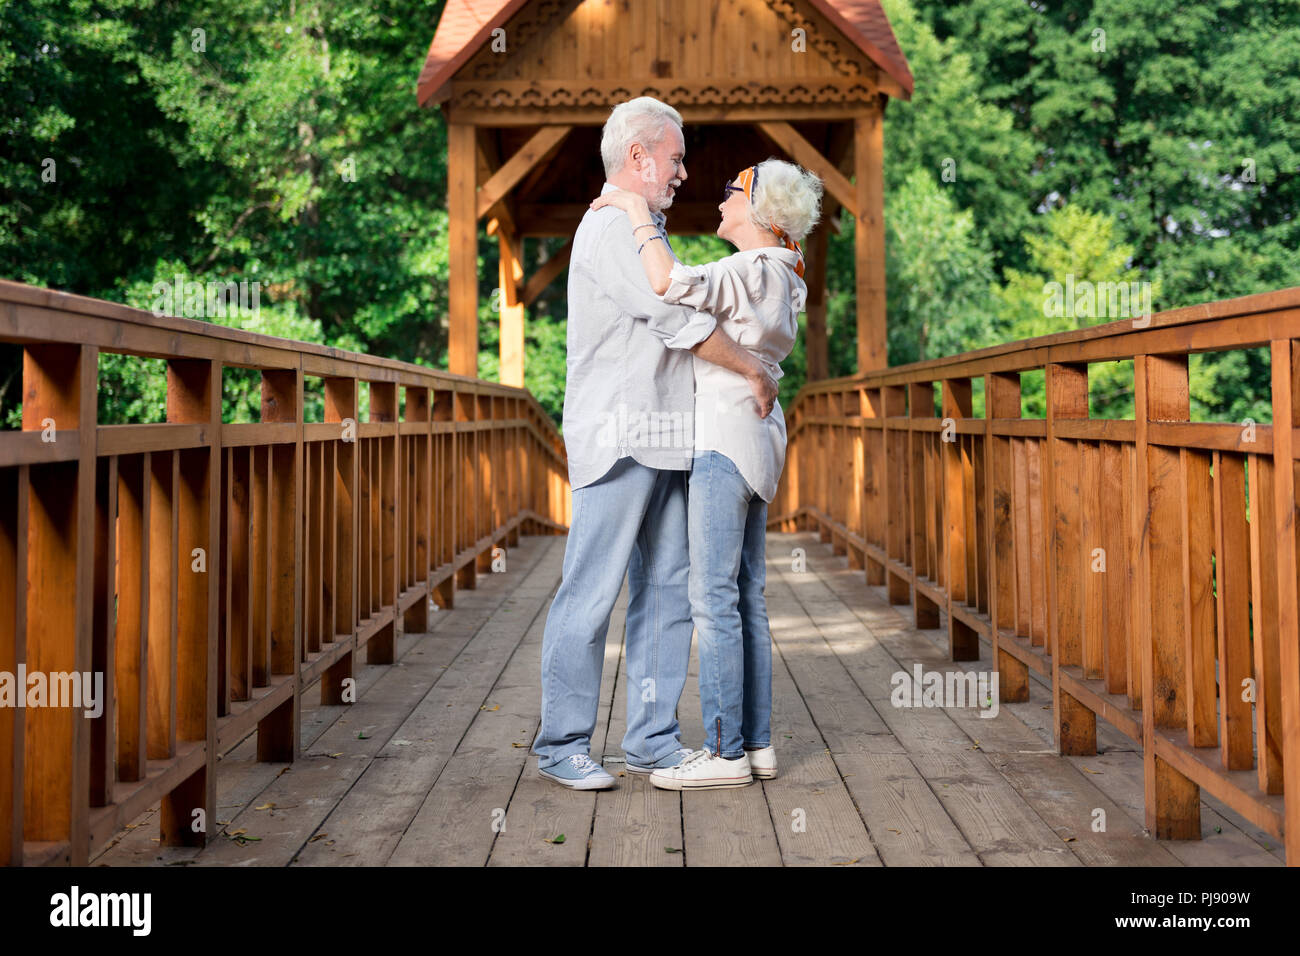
(642, 120)
(786, 196)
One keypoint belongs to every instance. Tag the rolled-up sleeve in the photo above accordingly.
(623, 279)
(712, 288)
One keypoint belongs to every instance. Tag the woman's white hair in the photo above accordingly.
(642, 120)
(786, 196)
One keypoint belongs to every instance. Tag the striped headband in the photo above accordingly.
(747, 180)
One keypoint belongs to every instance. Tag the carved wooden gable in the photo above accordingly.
(596, 53)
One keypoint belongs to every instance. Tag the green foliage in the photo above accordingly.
(1110, 140)
(952, 126)
(281, 145)
(1078, 250)
(938, 274)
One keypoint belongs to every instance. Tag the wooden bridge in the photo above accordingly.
(218, 574)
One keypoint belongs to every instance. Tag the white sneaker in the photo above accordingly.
(703, 771)
(762, 762)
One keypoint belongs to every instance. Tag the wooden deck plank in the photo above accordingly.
(860, 781)
(1067, 801)
(1118, 774)
(316, 782)
(722, 827)
(907, 823)
(471, 795)
(635, 824)
(814, 816)
(242, 777)
(816, 821)
(843, 714)
(1236, 841)
(540, 811)
(999, 825)
(367, 825)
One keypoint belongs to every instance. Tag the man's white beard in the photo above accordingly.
(665, 199)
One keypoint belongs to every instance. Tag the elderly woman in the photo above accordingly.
(756, 295)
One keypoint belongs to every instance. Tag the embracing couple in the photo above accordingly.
(680, 511)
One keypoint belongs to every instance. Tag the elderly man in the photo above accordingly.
(628, 432)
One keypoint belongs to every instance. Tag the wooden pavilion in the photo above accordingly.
(526, 86)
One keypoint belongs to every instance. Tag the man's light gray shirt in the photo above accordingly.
(630, 386)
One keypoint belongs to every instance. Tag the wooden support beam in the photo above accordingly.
(540, 148)
(549, 271)
(487, 162)
(462, 252)
(510, 273)
(869, 238)
(816, 351)
(792, 143)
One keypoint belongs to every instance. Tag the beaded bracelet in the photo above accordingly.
(648, 241)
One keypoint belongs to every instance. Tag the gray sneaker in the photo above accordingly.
(578, 772)
(663, 763)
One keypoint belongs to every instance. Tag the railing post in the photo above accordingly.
(1286, 411)
(868, 518)
(194, 396)
(341, 408)
(924, 496)
(1173, 806)
(466, 491)
(444, 522)
(417, 469)
(895, 501)
(13, 584)
(514, 451)
(58, 499)
(382, 646)
(963, 640)
(1067, 398)
(277, 733)
(1002, 401)
(484, 489)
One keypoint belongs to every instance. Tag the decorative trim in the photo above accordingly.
(528, 23)
(526, 94)
(846, 61)
(537, 17)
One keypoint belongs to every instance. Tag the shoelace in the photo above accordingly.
(696, 757)
(584, 764)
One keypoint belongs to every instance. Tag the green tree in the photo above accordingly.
(1079, 251)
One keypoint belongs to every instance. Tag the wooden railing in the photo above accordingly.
(212, 572)
(1146, 567)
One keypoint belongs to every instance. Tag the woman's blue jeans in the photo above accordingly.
(727, 526)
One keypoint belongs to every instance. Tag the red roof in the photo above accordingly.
(467, 24)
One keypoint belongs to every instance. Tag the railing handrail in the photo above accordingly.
(1010, 353)
(1146, 567)
(385, 369)
(210, 572)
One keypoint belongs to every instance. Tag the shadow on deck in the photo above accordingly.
(431, 766)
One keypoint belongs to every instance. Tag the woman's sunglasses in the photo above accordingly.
(728, 189)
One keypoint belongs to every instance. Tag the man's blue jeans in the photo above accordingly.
(727, 523)
(632, 521)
